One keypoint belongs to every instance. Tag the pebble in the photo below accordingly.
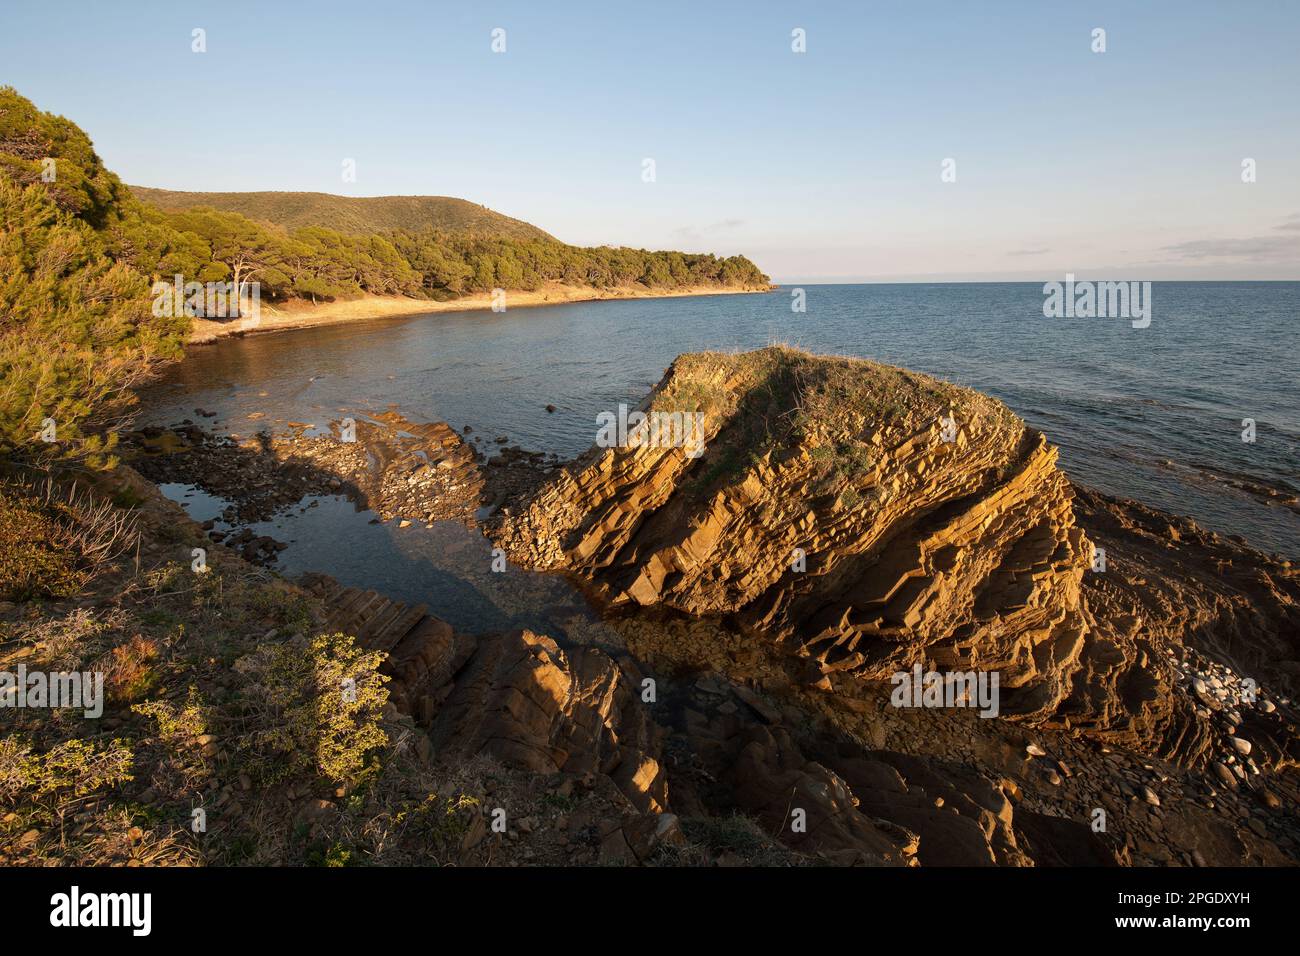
(1035, 751)
(1150, 797)
(1241, 746)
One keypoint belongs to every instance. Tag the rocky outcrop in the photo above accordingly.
(706, 748)
(827, 794)
(1194, 639)
(517, 697)
(859, 516)
(534, 706)
(864, 519)
(397, 468)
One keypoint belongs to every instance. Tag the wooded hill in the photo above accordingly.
(359, 214)
(80, 252)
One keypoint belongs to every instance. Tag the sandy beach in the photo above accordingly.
(301, 314)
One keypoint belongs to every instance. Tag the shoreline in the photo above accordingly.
(301, 315)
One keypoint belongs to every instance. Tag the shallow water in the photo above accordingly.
(445, 565)
(1153, 414)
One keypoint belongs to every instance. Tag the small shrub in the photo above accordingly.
(180, 731)
(737, 833)
(176, 725)
(853, 460)
(50, 785)
(322, 853)
(129, 675)
(54, 540)
(311, 706)
(34, 559)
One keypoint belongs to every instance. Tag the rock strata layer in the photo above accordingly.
(859, 516)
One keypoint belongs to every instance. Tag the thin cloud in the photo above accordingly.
(1270, 248)
(1260, 248)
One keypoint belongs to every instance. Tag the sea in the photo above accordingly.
(1196, 412)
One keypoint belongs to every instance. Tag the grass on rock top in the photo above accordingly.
(778, 400)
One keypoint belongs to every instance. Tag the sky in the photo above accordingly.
(821, 166)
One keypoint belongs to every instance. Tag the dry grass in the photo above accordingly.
(55, 538)
(779, 401)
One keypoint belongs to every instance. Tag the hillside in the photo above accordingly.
(355, 214)
(80, 253)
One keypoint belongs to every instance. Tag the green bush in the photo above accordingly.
(310, 706)
(51, 784)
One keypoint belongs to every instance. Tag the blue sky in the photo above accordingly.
(820, 166)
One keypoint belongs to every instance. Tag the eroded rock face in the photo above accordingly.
(865, 519)
(860, 516)
(842, 780)
(516, 696)
(1178, 621)
(521, 699)
(536, 707)
(720, 749)
(732, 749)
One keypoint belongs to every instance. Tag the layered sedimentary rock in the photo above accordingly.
(516, 696)
(395, 467)
(1194, 639)
(860, 516)
(864, 519)
(702, 748)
